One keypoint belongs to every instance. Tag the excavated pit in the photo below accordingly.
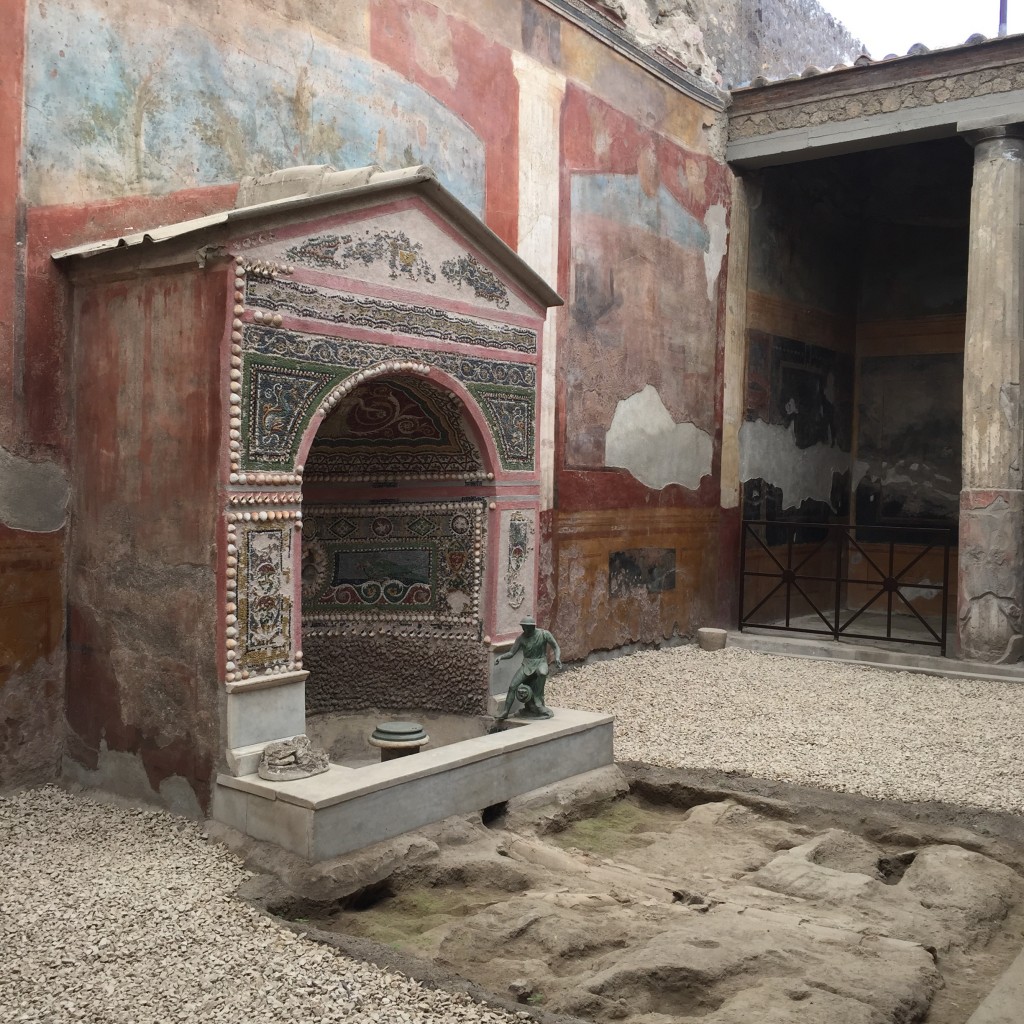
(654, 909)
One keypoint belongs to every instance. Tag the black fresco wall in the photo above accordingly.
(909, 440)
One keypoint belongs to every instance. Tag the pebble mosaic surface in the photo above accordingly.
(890, 735)
(110, 914)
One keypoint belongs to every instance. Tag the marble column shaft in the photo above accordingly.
(991, 584)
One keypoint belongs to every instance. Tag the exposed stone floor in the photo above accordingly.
(649, 913)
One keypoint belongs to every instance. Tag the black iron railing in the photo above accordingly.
(807, 569)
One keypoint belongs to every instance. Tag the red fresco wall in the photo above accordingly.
(12, 13)
(32, 552)
(34, 357)
(482, 90)
(629, 562)
(138, 422)
(148, 421)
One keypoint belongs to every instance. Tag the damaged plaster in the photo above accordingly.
(718, 234)
(670, 26)
(644, 439)
(768, 451)
(124, 773)
(33, 495)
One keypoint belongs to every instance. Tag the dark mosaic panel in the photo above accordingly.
(510, 414)
(469, 271)
(520, 544)
(402, 256)
(303, 347)
(264, 596)
(281, 401)
(393, 427)
(365, 562)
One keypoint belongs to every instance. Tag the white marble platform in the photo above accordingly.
(345, 809)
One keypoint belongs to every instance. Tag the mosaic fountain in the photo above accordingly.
(381, 500)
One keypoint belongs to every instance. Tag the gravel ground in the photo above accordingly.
(112, 914)
(894, 735)
(116, 915)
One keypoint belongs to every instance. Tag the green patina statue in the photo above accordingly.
(527, 684)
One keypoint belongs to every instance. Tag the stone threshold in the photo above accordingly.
(847, 653)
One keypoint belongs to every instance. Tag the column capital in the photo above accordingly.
(977, 132)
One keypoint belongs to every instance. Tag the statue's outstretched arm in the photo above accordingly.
(515, 649)
(558, 650)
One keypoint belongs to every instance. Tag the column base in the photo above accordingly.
(991, 577)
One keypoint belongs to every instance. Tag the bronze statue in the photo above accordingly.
(527, 684)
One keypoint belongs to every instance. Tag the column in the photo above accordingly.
(991, 590)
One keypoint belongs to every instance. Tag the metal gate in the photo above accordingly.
(812, 562)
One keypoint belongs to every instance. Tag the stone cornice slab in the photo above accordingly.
(886, 128)
(994, 55)
(907, 99)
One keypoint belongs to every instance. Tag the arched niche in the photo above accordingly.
(397, 475)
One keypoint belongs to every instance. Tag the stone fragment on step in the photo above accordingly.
(289, 760)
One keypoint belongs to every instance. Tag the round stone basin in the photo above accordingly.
(346, 736)
(398, 739)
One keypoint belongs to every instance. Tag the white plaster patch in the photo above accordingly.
(123, 773)
(768, 451)
(541, 92)
(926, 594)
(718, 235)
(33, 495)
(1009, 402)
(644, 439)
(672, 29)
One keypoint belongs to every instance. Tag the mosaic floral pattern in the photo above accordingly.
(510, 414)
(520, 535)
(393, 427)
(420, 563)
(380, 314)
(281, 399)
(282, 396)
(301, 346)
(400, 254)
(264, 602)
(468, 270)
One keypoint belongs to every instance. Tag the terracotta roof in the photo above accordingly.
(866, 60)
